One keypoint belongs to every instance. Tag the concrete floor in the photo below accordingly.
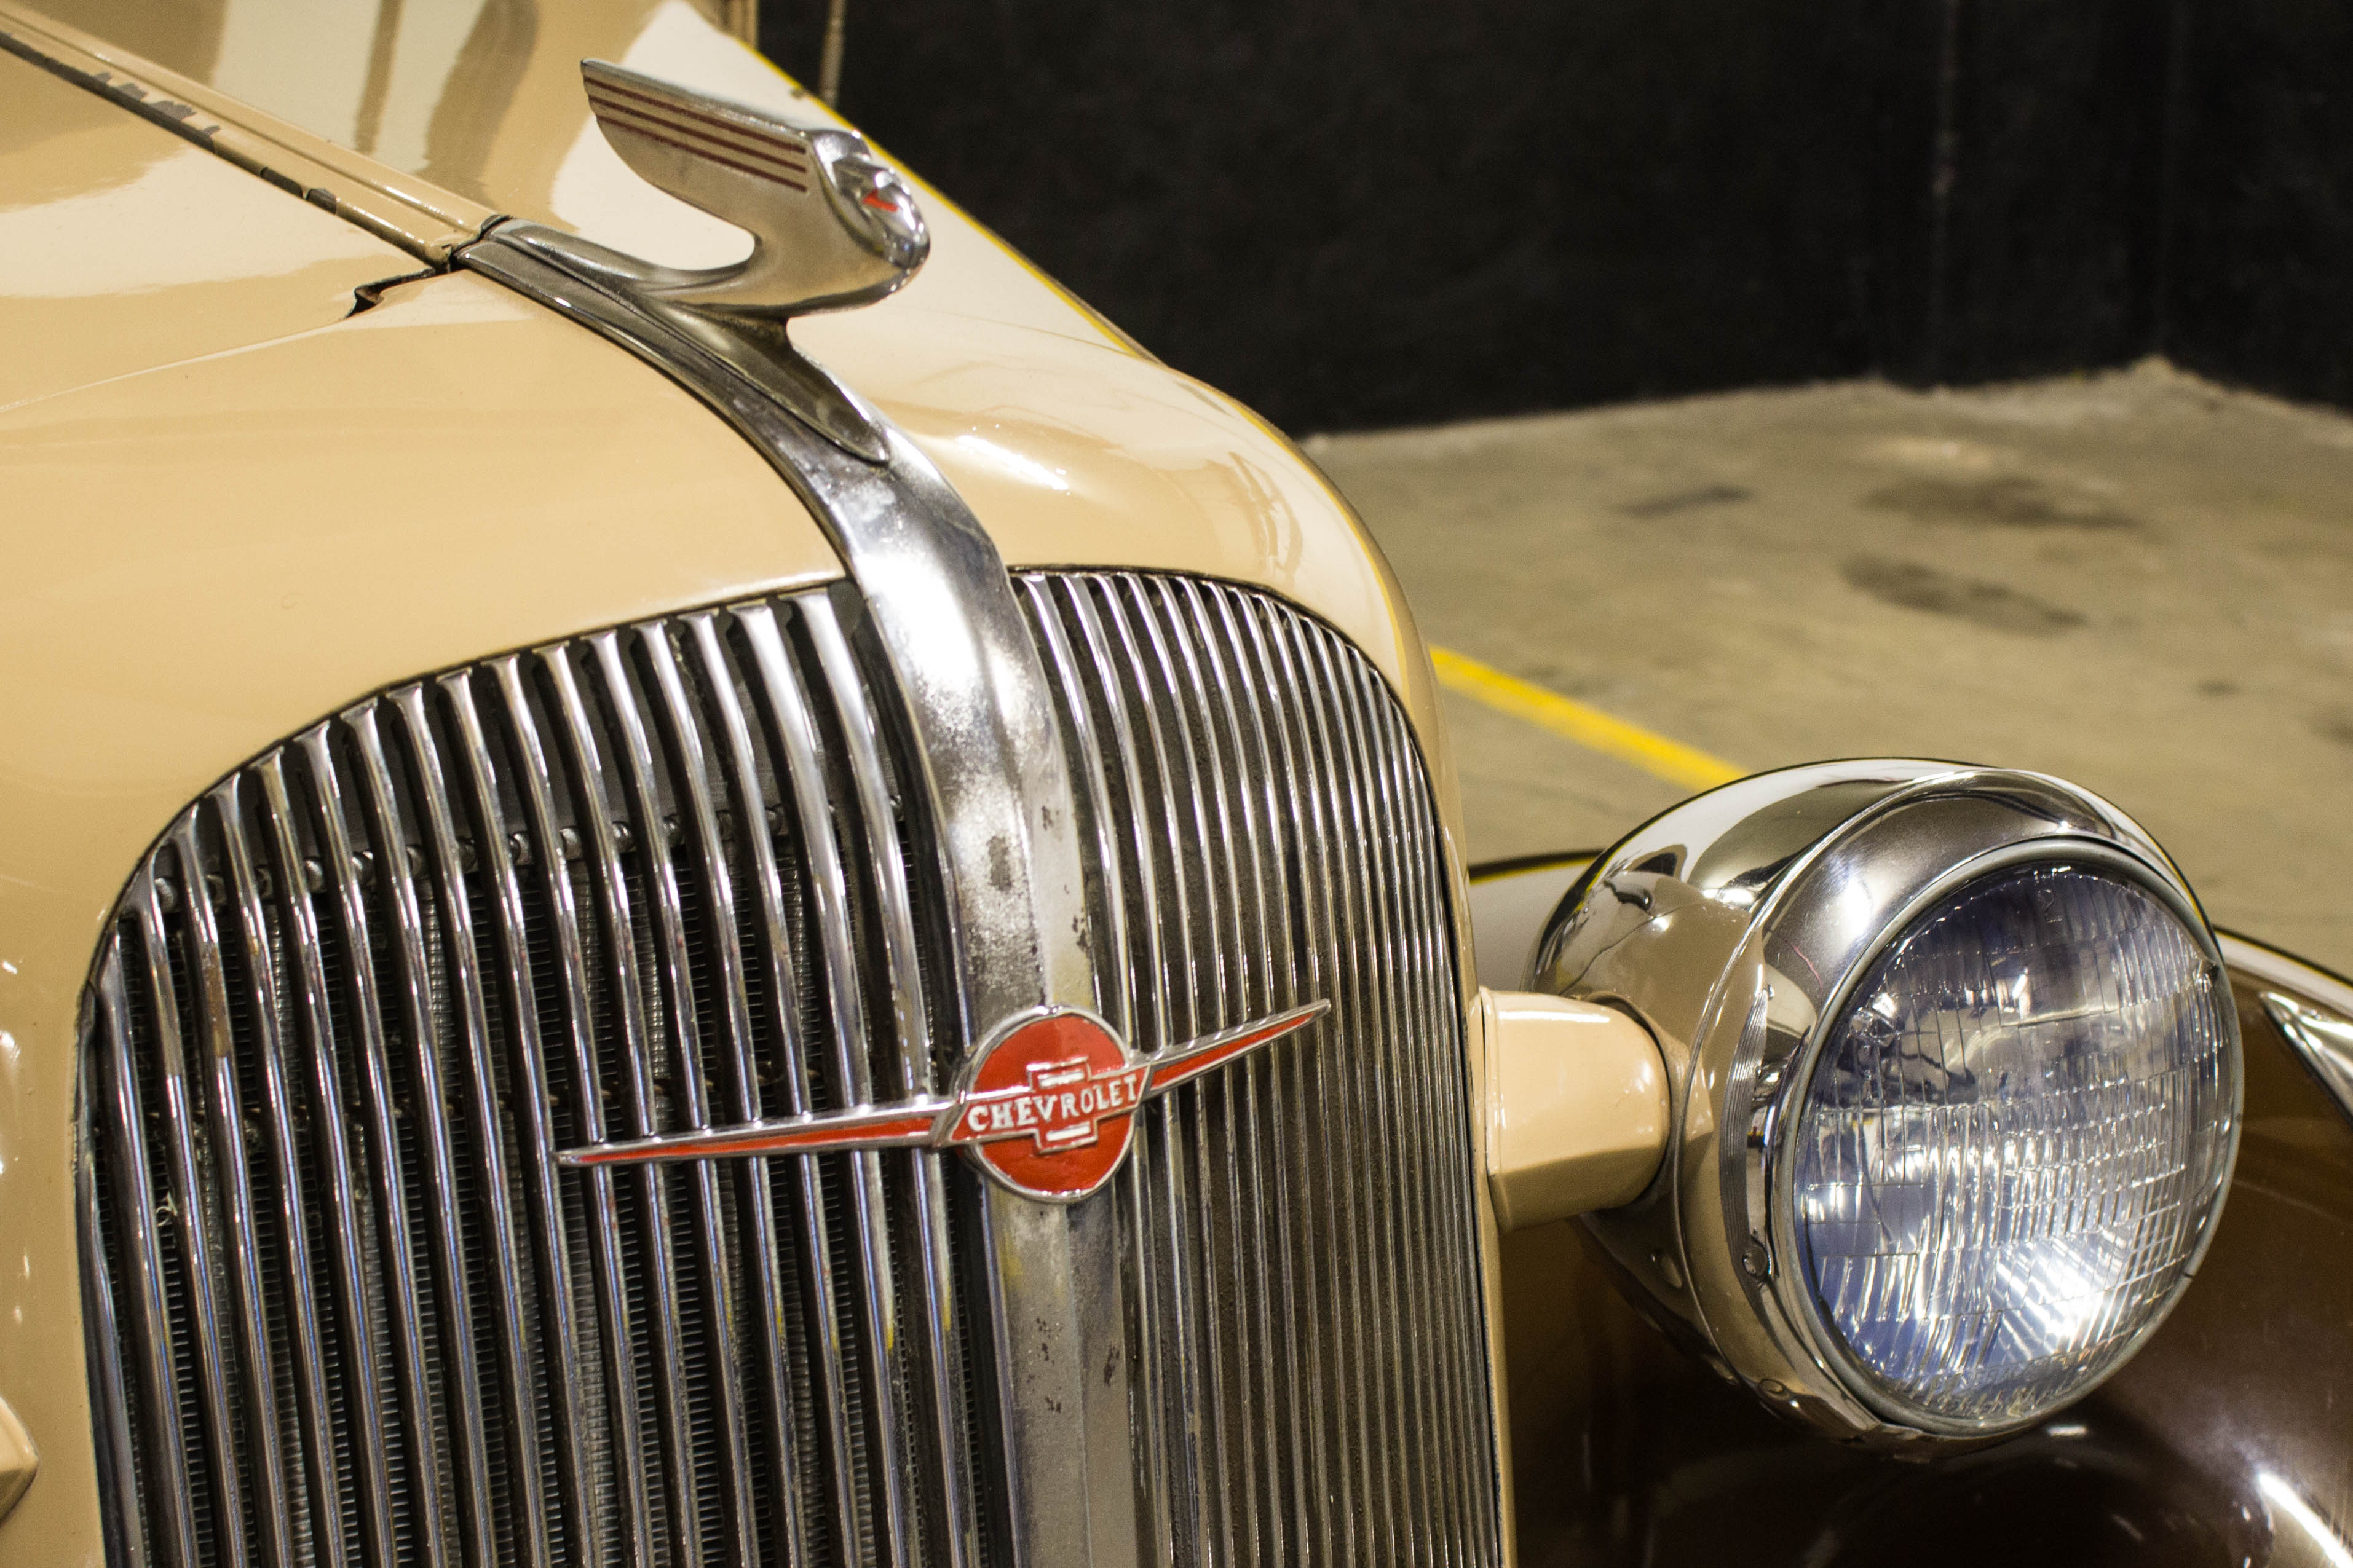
(2138, 581)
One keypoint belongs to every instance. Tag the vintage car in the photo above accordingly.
(692, 874)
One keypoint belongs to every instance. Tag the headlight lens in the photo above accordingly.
(2012, 1143)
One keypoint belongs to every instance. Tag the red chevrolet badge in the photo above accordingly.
(1048, 1106)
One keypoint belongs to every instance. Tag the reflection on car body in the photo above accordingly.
(697, 875)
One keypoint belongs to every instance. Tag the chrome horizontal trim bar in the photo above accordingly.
(1182, 1064)
(928, 1121)
(908, 1124)
(2312, 1008)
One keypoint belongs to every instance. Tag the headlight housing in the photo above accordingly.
(1955, 1079)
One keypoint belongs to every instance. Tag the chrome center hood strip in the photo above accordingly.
(974, 693)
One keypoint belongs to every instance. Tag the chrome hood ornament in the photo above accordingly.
(832, 227)
(832, 224)
(1046, 1106)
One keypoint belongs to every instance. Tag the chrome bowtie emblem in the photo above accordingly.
(1046, 1106)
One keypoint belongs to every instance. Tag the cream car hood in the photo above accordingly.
(240, 504)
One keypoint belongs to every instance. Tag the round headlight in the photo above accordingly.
(2008, 1145)
(1956, 1087)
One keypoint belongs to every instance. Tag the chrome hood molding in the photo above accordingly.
(974, 691)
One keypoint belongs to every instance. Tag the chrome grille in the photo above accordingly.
(644, 880)
(1300, 1229)
(676, 876)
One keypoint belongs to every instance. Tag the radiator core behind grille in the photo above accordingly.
(345, 1310)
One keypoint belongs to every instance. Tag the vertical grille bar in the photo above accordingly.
(1374, 882)
(1116, 995)
(1170, 976)
(497, 849)
(1384, 1481)
(1417, 859)
(787, 720)
(679, 875)
(752, 830)
(797, 730)
(683, 1011)
(1210, 632)
(308, 1351)
(241, 1239)
(1376, 1481)
(1373, 1069)
(593, 804)
(461, 957)
(121, 1515)
(784, 983)
(192, 1215)
(371, 1443)
(1284, 869)
(1219, 1181)
(534, 777)
(725, 940)
(861, 738)
(1330, 1301)
(1414, 856)
(169, 1482)
(421, 1009)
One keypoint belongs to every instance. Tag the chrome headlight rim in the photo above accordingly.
(1718, 924)
(1772, 1159)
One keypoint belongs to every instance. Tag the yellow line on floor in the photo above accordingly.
(1588, 727)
